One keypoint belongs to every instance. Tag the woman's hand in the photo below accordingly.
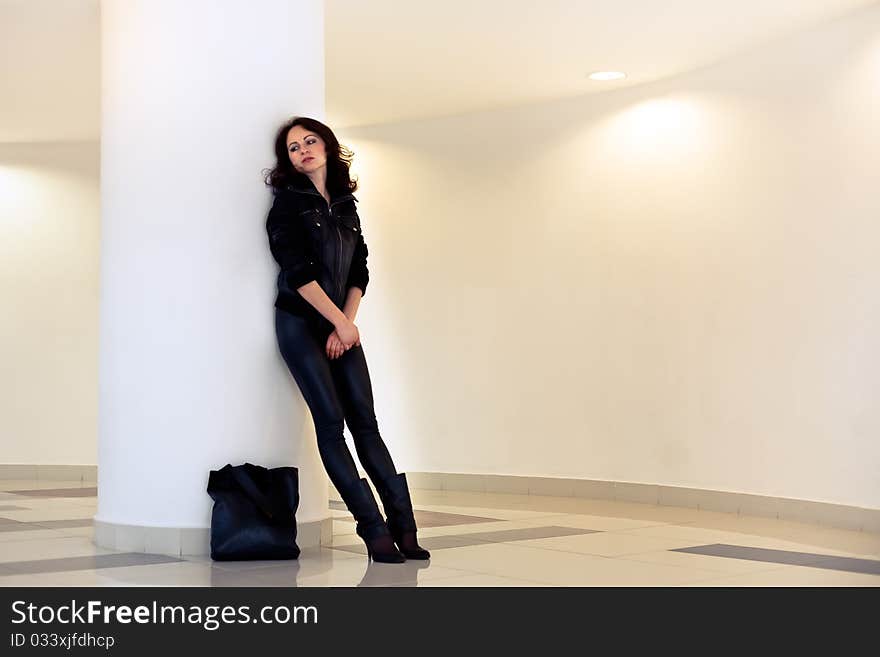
(335, 347)
(348, 334)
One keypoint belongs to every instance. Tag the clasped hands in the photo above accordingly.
(343, 338)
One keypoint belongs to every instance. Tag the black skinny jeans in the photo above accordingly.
(335, 390)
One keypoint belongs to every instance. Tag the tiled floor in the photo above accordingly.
(476, 539)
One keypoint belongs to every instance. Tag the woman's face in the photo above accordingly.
(305, 150)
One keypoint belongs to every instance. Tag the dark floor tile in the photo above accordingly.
(7, 525)
(436, 518)
(481, 538)
(752, 553)
(56, 524)
(444, 542)
(427, 542)
(528, 533)
(791, 558)
(57, 492)
(90, 562)
(849, 564)
(440, 519)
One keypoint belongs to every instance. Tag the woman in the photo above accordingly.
(315, 236)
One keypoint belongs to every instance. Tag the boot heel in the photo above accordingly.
(396, 499)
(371, 527)
(389, 555)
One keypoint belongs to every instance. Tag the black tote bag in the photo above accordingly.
(254, 515)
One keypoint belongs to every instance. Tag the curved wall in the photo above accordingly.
(675, 284)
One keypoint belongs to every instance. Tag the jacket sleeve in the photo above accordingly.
(358, 274)
(288, 244)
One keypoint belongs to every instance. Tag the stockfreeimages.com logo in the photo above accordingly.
(210, 617)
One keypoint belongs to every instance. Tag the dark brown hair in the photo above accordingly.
(338, 159)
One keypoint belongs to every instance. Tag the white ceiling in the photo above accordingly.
(388, 60)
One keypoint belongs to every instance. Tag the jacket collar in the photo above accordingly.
(304, 185)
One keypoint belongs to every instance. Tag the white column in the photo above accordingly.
(190, 375)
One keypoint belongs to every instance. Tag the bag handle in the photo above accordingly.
(248, 486)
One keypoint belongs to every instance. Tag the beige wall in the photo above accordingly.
(675, 284)
(49, 242)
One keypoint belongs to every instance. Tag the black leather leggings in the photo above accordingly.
(335, 390)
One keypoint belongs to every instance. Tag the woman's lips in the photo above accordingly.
(307, 159)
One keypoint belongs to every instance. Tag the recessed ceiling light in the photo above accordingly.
(607, 75)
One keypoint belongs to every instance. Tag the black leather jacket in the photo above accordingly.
(313, 240)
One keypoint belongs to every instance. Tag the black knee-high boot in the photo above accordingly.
(370, 525)
(394, 493)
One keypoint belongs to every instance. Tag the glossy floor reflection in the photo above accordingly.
(476, 539)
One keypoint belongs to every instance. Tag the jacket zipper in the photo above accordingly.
(340, 284)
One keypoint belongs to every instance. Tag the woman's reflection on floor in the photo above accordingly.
(403, 574)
